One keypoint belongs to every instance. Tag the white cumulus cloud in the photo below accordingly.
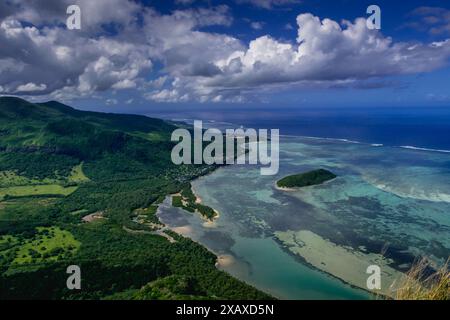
(31, 87)
(171, 58)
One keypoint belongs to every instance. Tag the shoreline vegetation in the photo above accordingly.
(420, 285)
(307, 179)
(187, 200)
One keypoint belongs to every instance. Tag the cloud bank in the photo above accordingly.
(173, 58)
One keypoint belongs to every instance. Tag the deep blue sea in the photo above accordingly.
(417, 127)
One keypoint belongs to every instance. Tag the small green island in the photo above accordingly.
(310, 178)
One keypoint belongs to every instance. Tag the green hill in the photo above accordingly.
(72, 184)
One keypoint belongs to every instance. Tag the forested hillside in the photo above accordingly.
(82, 188)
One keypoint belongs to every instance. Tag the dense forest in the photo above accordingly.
(82, 188)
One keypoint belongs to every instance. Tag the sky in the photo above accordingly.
(136, 56)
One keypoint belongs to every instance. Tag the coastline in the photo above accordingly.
(224, 260)
(186, 231)
(328, 270)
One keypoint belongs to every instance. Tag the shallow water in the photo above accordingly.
(385, 199)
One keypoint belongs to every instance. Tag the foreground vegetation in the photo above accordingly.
(306, 179)
(58, 166)
(418, 284)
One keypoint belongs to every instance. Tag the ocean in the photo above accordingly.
(389, 205)
(412, 127)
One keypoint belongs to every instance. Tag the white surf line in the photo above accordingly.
(367, 143)
(424, 149)
(333, 139)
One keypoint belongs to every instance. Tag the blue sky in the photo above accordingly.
(136, 56)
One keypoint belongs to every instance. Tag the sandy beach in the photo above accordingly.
(285, 189)
(224, 261)
(183, 230)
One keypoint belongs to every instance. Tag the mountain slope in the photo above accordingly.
(82, 188)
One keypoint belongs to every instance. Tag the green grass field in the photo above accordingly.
(77, 175)
(37, 190)
(47, 244)
(14, 185)
(11, 179)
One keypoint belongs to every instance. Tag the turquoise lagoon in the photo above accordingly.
(388, 204)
